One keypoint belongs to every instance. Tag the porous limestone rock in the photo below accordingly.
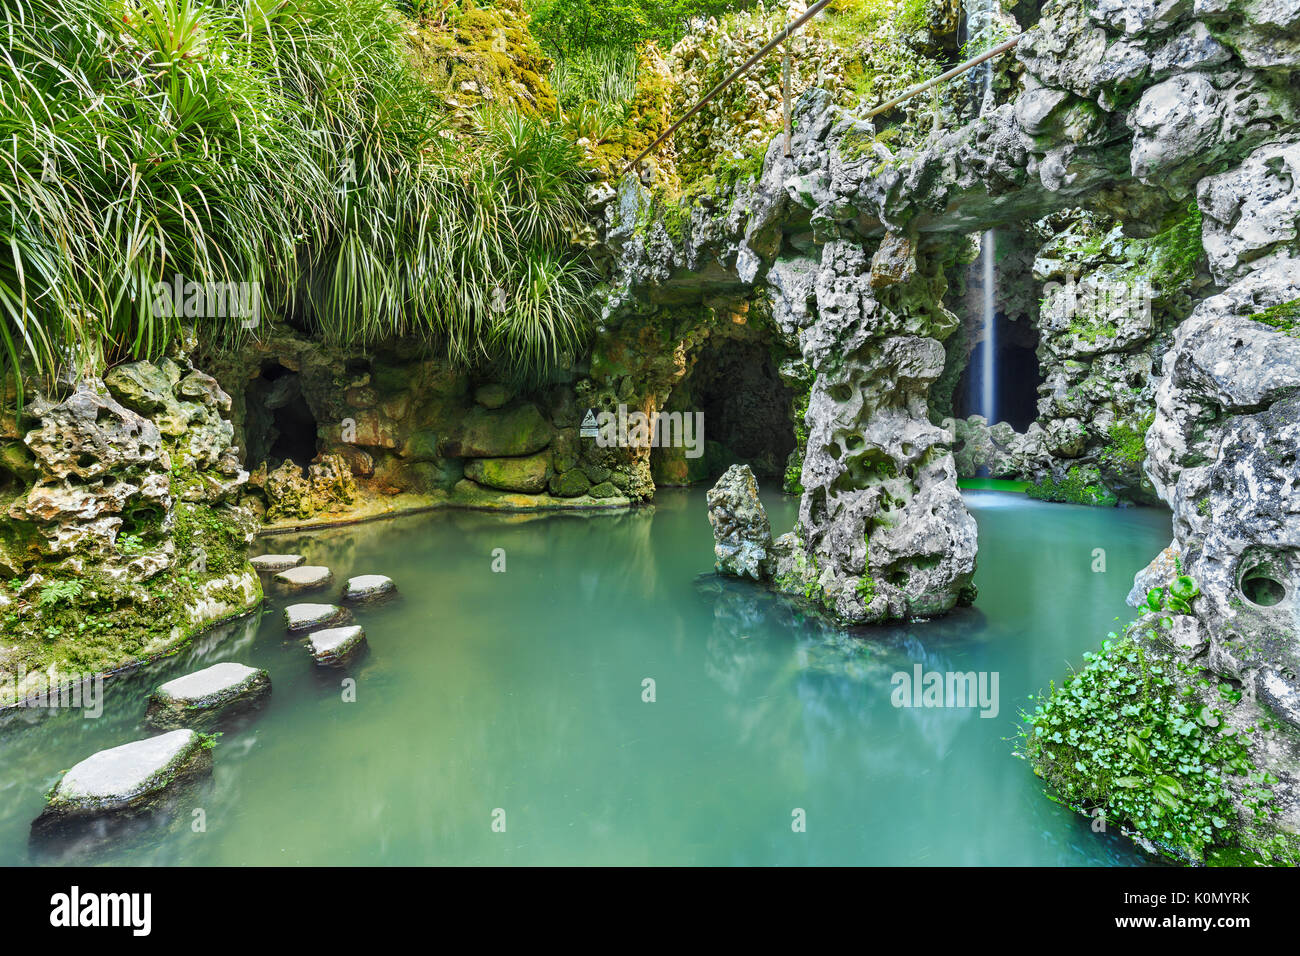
(220, 689)
(1223, 453)
(741, 532)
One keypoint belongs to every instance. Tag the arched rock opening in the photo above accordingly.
(746, 410)
(278, 423)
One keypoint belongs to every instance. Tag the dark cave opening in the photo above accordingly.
(746, 409)
(278, 423)
(1016, 376)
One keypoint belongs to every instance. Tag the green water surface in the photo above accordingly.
(518, 697)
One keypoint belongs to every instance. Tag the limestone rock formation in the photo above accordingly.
(741, 532)
(1224, 449)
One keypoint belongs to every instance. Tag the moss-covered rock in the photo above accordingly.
(483, 55)
(528, 474)
(221, 689)
(500, 433)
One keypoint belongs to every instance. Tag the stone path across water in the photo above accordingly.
(130, 775)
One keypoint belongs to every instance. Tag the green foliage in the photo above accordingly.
(912, 15)
(1177, 598)
(605, 75)
(798, 412)
(1123, 735)
(565, 26)
(1082, 485)
(1176, 252)
(866, 588)
(289, 144)
(59, 592)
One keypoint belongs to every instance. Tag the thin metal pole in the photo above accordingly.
(955, 71)
(780, 38)
(785, 100)
(735, 74)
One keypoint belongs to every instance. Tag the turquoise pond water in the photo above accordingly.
(522, 692)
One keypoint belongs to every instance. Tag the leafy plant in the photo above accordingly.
(286, 144)
(59, 592)
(1124, 735)
(1178, 597)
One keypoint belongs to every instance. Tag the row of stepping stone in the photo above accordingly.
(333, 639)
(133, 774)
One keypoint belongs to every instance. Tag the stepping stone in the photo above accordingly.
(126, 777)
(335, 646)
(311, 617)
(367, 587)
(307, 578)
(276, 562)
(221, 687)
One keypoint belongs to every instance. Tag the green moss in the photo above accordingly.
(1082, 485)
(1173, 256)
(487, 54)
(1284, 317)
(794, 469)
(1128, 442)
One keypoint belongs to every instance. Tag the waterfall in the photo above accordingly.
(988, 377)
(978, 35)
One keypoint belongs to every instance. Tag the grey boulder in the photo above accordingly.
(221, 688)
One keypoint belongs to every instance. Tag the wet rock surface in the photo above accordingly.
(306, 617)
(741, 531)
(220, 689)
(336, 646)
(126, 778)
(304, 578)
(367, 587)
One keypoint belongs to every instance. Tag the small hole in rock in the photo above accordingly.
(1262, 590)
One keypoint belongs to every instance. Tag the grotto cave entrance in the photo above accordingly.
(746, 412)
(278, 423)
(1017, 375)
